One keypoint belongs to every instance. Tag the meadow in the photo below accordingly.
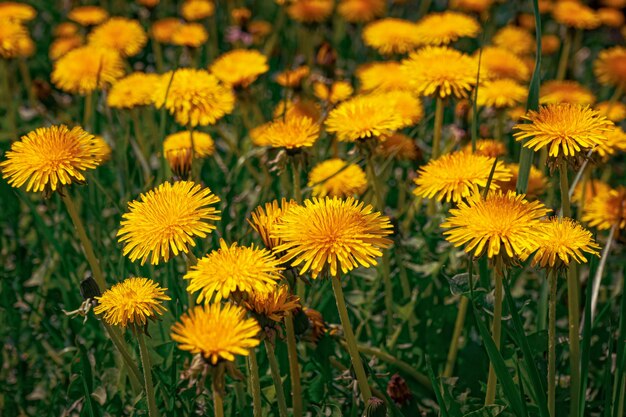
(312, 208)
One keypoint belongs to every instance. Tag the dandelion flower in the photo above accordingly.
(290, 133)
(565, 128)
(88, 15)
(102, 148)
(297, 108)
(191, 35)
(17, 11)
(203, 144)
(550, 44)
(537, 181)
(120, 34)
(575, 14)
(310, 11)
(382, 76)
(337, 178)
(563, 240)
(194, 97)
(606, 209)
(240, 67)
(49, 157)
(132, 302)
(363, 117)
(392, 36)
(133, 90)
(487, 147)
(610, 17)
(440, 71)
(614, 111)
(501, 93)
(65, 29)
(216, 332)
(264, 218)
(192, 10)
(399, 146)
(565, 92)
(405, 103)
(515, 39)
(610, 67)
(273, 305)
(85, 69)
(232, 269)
(62, 46)
(148, 3)
(332, 233)
(337, 92)
(12, 34)
(361, 11)
(476, 6)
(502, 63)
(615, 142)
(166, 219)
(501, 224)
(457, 175)
(293, 78)
(585, 191)
(446, 27)
(162, 30)
(317, 326)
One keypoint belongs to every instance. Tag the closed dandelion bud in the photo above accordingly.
(375, 408)
(398, 390)
(326, 56)
(89, 288)
(180, 162)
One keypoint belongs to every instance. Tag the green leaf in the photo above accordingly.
(487, 411)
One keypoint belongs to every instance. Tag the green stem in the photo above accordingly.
(496, 332)
(28, 82)
(456, 336)
(88, 110)
(255, 385)
(437, 128)
(147, 375)
(563, 60)
(218, 403)
(574, 340)
(278, 383)
(353, 350)
(134, 375)
(7, 97)
(294, 368)
(552, 276)
(565, 204)
(297, 188)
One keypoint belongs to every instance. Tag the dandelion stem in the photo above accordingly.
(438, 128)
(597, 279)
(147, 375)
(218, 402)
(496, 331)
(565, 204)
(353, 350)
(255, 385)
(294, 369)
(563, 60)
(28, 82)
(88, 110)
(133, 375)
(278, 383)
(456, 336)
(552, 276)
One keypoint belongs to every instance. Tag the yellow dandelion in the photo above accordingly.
(25, 47)
(565, 92)
(65, 29)
(585, 191)
(406, 104)
(240, 67)
(614, 111)
(62, 46)
(85, 69)
(293, 78)
(575, 14)
(120, 34)
(515, 39)
(233, 269)
(550, 44)
(502, 224)
(477, 6)
(88, 15)
(166, 219)
(606, 209)
(446, 27)
(392, 36)
(618, 4)
(241, 15)
(615, 142)
(566, 129)
(273, 305)
(336, 178)
(216, 332)
(50, 157)
(133, 90)
(12, 34)
(610, 67)
(102, 148)
(259, 29)
(487, 147)
(132, 302)
(148, 3)
(502, 63)
(610, 17)
(203, 144)
(290, 133)
(197, 9)
(337, 92)
(375, 76)
(162, 30)
(310, 11)
(194, 97)
(563, 240)
(502, 93)
(361, 11)
(192, 35)
(399, 146)
(440, 71)
(257, 135)
(17, 11)
(457, 175)
(363, 117)
(263, 219)
(332, 234)
(537, 181)
(297, 108)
